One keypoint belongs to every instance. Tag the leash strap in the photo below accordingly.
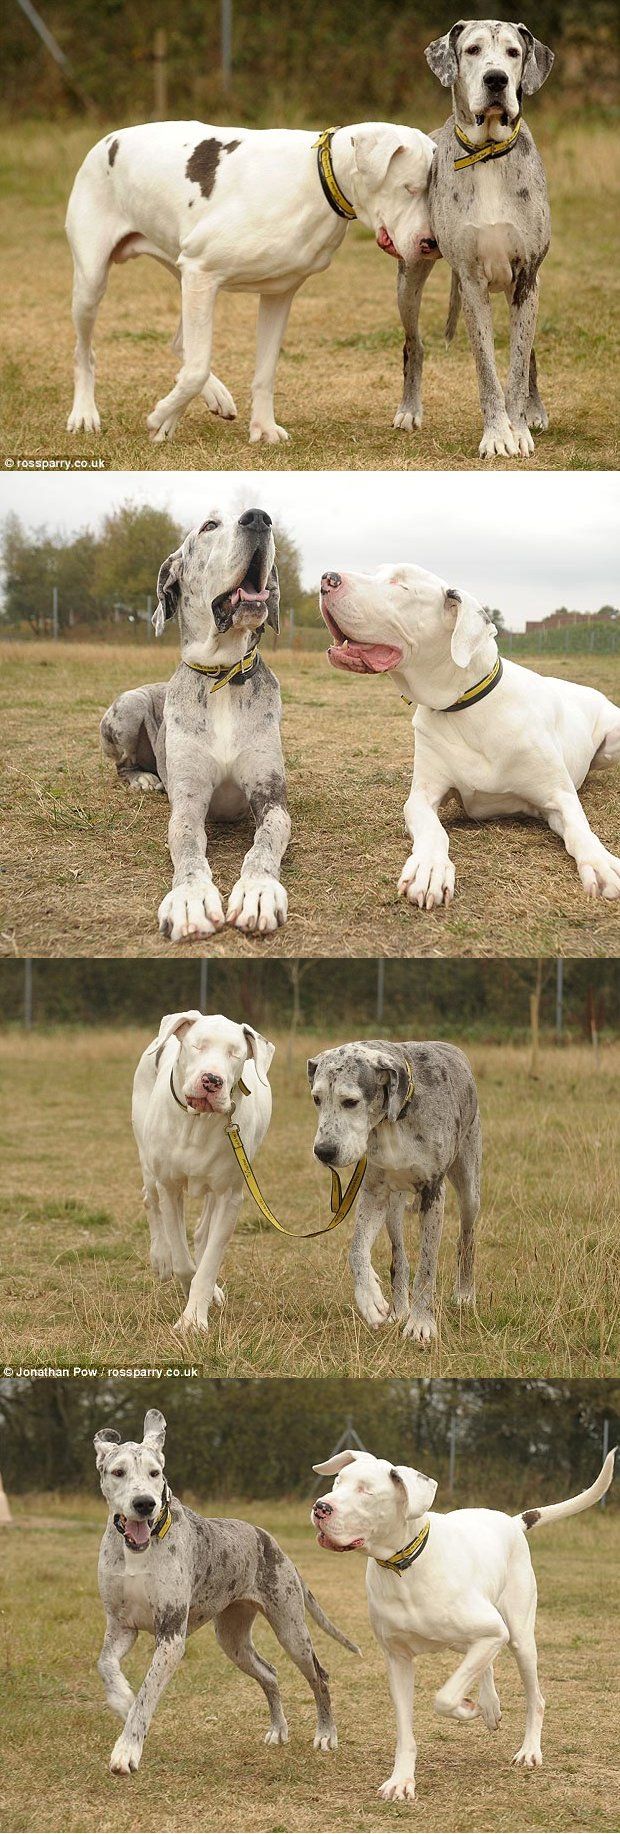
(341, 1203)
(492, 149)
(329, 183)
(471, 695)
(221, 677)
(398, 1563)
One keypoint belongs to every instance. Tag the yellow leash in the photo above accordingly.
(341, 1203)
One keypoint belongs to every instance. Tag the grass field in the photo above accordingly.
(86, 863)
(340, 373)
(76, 1286)
(205, 1766)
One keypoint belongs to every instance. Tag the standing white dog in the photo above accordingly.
(198, 1071)
(464, 1581)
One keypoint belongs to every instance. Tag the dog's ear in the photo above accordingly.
(172, 1023)
(168, 590)
(154, 1430)
(103, 1442)
(311, 1067)
(372, 152)
(260, 1050)
(393, 1076)
(470, 626)
(441, 55)
(273, 602)
(337, 1463)
(537, 61)
(418, 1491)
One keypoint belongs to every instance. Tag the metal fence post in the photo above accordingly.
(27, 994)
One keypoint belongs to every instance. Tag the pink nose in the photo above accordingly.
(330, 582)
(211, 1082)
(321, 1510)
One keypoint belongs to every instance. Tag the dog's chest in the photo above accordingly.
(406, 1166)
(135, 1591)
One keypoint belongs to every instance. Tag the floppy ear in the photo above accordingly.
(103, 1442)
(372, 153)
(418, 1491)
(395, 1079)
(260, 1049)
(337, 1463)
(168, 590)
(172, 1023)
(154, 1430)
(441, 55)
(470, 628)
(311, 1067)
(537, 61)
(273, 602)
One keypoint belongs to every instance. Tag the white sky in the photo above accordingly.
(524, 541)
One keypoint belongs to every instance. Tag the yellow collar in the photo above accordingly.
(329, 183)
(221, 677)
(399, 1562)
(479, 690)
(492, 149)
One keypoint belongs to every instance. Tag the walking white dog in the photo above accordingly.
(508, 741)
(189, 1081)
(238, 210)
(464, 1581)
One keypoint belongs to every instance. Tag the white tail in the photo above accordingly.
(551, 1512)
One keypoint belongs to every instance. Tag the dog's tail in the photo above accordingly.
(325, 1623)
(551, 1512)
(453, 308)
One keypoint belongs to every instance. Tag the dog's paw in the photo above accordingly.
(218, 399)
(161, 1263)
(84, 420)
(191, 911)
(372, 1306)
(523, 437)
(398, 1789)
(529, 1757)
(498, 441)
(537, 416)
(426, 881)
(407, 420)
(277, 1735)
(326, 1741)
(421, 1327)
(600, 873)
(191, 1320)
(146, 781)
(259, 905)
(455, 1709)
(269, 431)
(125, 1756)
(163, 421)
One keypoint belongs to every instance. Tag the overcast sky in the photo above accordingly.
(523, 541)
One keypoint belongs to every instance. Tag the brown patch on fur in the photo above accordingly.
(530, 1517)
(202, 164)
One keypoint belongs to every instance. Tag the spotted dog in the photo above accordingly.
(210, 737)
(413, 1110)
(234, 210)
(463, 1581)
(168, 1571)
(489, 216)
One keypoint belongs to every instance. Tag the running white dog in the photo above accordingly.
(508, 741)
(464, 1581)
(189, 1081)
(238, 210)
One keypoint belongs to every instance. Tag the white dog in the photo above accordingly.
(507, 740)
(464, 1581)
(238, 210)
(189, 1081)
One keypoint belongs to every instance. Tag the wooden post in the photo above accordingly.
(5, 1513)
(160, 74)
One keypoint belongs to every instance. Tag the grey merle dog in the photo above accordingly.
(489, 216)
(413, 1110)
(211, 735)
(164, 1569)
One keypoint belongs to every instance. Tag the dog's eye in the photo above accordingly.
(317, 1101)
(208, 525)
(473, 50)
(512, 51)
(350, 1101)
(119, 1471)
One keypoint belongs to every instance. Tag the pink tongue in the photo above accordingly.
(364, 658)
(250, 598)
(385, 242)
(138, 1531)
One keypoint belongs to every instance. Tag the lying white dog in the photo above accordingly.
(189, 1081)
(464, 1581)
(239, 210)
(509, 741)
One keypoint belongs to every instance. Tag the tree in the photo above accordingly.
(133, 542)
(29, 566)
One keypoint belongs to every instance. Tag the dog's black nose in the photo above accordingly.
(211, 1082)
(325, 1153)
(322, 1509)
(256, 519)
(496, 79)
(143, 1505)
(331, 580)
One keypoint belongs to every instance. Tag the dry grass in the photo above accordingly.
(86, 864)
(339, 377)
(205, 1766)
(76, 1287)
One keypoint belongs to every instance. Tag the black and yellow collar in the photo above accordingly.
(492, 149)
(329, 183)
(159, 1529)
(479, 690)
(239, 1085)
(239, 671)
(398, 1563)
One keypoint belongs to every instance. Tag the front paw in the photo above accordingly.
(600, 874)
(427, 881)
(161, 1263)
(523, 437)
(398, 1789)
(259, 904)
(407, 420)
(192, 1320)
(125, 1756)
(372, 1306)
(191, 911)
(420, 1326)
(269, 431)
(498, 440)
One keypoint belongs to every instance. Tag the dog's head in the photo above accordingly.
(354, 1088)
(391, 168)
(400, 616)
(208, 1055)
(373, 1505)
(222, 578)
(489, 64)
(132, 1477)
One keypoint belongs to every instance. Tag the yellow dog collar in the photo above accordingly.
(492, 149)
(221, 677)
(329, 183)
(399, 1562)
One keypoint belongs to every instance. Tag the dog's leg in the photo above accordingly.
(537, 415)
(233, 1629)
(427, 878)
(489, 1705)
(198, 295)
(608, 752)
(399, 1268)
(160, 1253)
(410, 286)
(169, 1650)
(201, 1236)
(273, 311)
(370, 1220)
(193, 909)
(202, 1290)
(125, 738)
(498, 439)
(523, 315)
(519, 1606)
(218, 398)
(421, 1321)
(117, 1642)
(285, 1613)
(464, 1174)
(171, 1211)
(400, 1787)
(454, 1698)
(258, 901)
(598, 870)
(88, 290)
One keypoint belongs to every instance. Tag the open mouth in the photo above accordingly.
(358, 658)
(250, 595)
(338, 1547)
(136, 1533)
